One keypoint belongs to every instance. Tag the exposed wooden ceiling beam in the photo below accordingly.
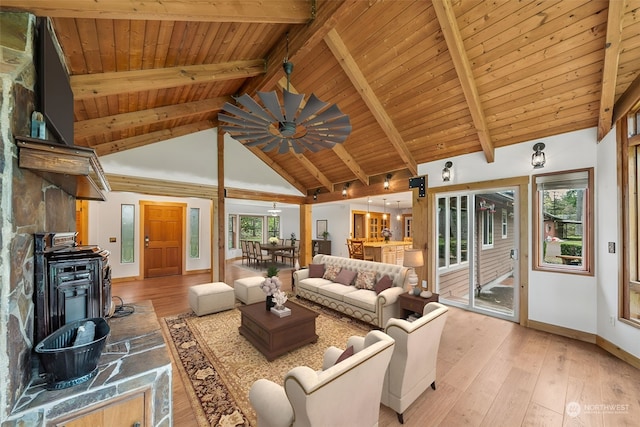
(628, 100)
(610, 70)
(314, 171)
(352, 70)
(302, 40)
(150, 138)
(244, 194)
(92, 127)
(451, 32)
(86, 86)
(272, 11)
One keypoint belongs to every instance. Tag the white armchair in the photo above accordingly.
(413, 364)
(342, 394)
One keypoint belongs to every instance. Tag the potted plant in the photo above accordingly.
(293, 239)
(325, 234)
(271, 285)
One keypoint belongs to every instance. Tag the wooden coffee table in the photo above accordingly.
(273, 336)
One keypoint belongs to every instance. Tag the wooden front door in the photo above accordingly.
(163, 247)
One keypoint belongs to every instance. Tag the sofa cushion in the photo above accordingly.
(336, 290)
(313, 284)
(331, 272)
(385, 282)
(316, 270)
(365, 279)
(348, 352)
(345, 277)
(362, 298)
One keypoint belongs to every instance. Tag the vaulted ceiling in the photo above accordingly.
(420, 80)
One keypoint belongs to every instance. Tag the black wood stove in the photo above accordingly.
(71, 282)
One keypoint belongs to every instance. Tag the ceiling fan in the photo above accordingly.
(318, 125)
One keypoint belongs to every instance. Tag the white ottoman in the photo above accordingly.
(211, 298)
(248, 289)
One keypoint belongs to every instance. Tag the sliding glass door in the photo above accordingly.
(476, 249)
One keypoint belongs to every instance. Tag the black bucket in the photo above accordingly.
(67, 365)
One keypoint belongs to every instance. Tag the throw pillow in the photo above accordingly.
(366, 280)
(345, 277)
(331, 272)
(348, 352)
(385, 282)
(316, 270)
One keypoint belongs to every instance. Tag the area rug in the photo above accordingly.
(218, 365)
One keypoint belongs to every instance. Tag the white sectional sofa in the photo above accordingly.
(361, 303)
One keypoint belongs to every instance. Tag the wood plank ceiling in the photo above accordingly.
(421, 80)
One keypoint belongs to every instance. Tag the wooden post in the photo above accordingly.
(219, 237)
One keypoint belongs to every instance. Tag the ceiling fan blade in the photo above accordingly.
(330, 113)
(249, 135)
(260, 141)
(230, 108)
(311, 139)
(291, 104)
(284, 147)
(270, 101)
(340, 123)
(329, 136)
(240, 122)
(249, 103)
(314, 104)
(273, 144)
(298, 148)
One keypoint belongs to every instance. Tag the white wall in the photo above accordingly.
(104, 223)
(571, 301)
(608, 229)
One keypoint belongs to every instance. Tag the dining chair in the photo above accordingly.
(260, 255)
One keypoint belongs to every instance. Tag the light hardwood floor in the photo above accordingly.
(490, 372)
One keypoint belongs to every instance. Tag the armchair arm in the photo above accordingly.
(270, 403)
(357, 342)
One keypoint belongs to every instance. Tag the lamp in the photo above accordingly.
(399, 216)
(384, 208)
(386, 181)
(412, 259)
(344, 189)
(274, 211)
(368, 202)
(446, 172)
(537, 158)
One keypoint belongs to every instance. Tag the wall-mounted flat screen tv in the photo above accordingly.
(54, 94)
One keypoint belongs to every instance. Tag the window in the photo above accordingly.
(563, 221)
(273, 225)
(452, 231)
(505, 226)
(251, 228)
(630, 182)
(487, 229)
(127, 230)
(194, 233)
(232, 226)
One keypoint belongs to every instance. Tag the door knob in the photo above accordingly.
(146, 241)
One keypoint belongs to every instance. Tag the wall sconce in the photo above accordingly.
(386, 181)
(344, 189)
(537, 159)
(315, 194)
(446, 172)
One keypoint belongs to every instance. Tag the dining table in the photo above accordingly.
(274, 249)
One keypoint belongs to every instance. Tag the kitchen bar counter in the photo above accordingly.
(391, 252)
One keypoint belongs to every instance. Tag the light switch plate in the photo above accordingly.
(612, 247)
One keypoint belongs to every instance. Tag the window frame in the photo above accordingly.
(487, 235)
(588, 250)
(629, 180)
(461, 231)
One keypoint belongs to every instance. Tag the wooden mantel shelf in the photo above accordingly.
(75, 170)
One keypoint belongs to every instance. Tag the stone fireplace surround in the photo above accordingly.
(28, 204)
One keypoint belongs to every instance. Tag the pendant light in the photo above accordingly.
(384, 209)
(368, 203)
(399, 216)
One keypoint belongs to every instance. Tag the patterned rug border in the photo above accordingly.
(213, 402)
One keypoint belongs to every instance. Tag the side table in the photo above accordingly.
(414, 304)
